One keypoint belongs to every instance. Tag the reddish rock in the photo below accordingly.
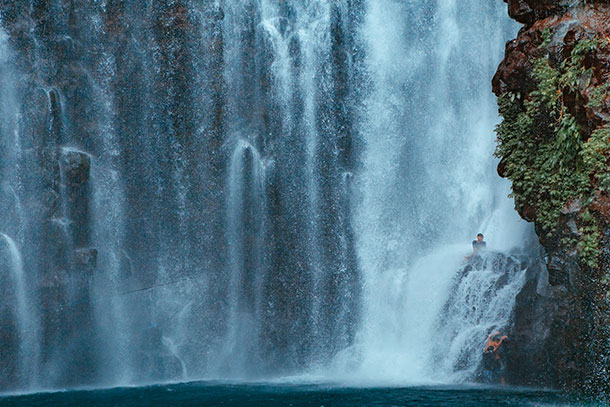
(513, 72)
(520, 11)
(502, 168)
(568, 26)
(529, 11)
(601, 205)
(528, 212)
(577, 24)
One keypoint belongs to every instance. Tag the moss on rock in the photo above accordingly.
(550, 158)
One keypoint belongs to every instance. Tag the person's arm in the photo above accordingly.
(474, 251)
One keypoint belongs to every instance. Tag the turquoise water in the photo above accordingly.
(216, 394)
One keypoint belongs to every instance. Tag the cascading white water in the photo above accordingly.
(313, 35)
(428, 180)
(480, 303)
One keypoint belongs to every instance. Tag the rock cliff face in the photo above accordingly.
(554, 144)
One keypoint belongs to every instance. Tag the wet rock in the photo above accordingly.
(75, 167)
(56, 231)
(512, 74)
(572, 228)
(568, 25)
(601, 204)
(528, 213)
(75, 171)
(571, 207)
(556, 268)
(521, 11)
(502, 168)
(529, 11)
(85, 259)
(541, 342)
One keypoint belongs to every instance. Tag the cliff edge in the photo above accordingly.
(553, 89)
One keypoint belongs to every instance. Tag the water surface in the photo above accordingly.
(221, 394)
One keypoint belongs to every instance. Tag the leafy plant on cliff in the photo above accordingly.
(545, 151)
(598, 95)
(596, 158)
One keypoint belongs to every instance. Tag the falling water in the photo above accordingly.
(248, 189)
(19, 322)
(111, 310)
(428, 176)
(246, 232)
(480, 303)
(24, 315)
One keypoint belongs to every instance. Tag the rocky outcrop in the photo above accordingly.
(554, 143)
(530, 11)
(75, 167)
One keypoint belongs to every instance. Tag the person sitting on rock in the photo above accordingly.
(477, 245)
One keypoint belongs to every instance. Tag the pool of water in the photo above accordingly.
(222, 394)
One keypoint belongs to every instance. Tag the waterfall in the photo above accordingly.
(18, 314)
(248, 189)
(481, 302)
(246, 238)
(428, 178)
(111, 310)
(27, 331)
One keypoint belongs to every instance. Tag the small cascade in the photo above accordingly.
(246, 243)
(110, 309)
(481, 301)
(11, 203)
(396, 346)
(26, 324)
(173, 349)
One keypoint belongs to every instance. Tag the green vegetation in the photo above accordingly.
(598, 94)
(549, 157)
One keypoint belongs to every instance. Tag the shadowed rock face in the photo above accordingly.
(561, 321)
(74, 169)
(128, 114)
(529, 11)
